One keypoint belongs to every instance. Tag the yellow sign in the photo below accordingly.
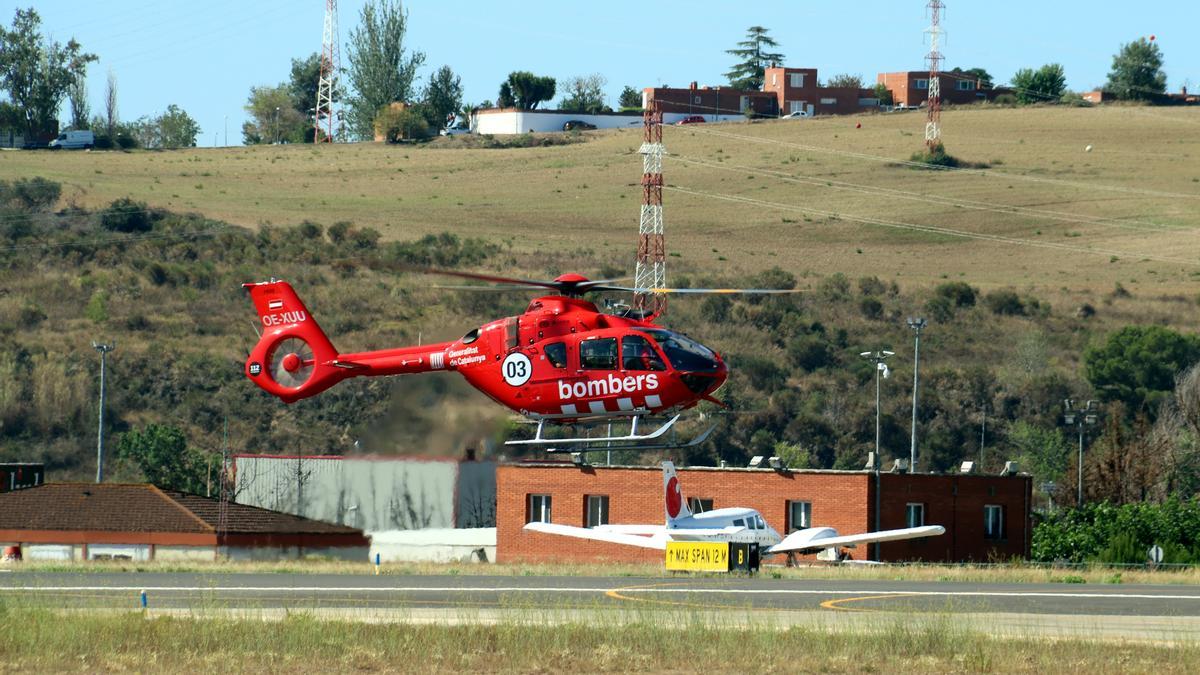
(699, 556)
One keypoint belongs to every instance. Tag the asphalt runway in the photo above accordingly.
(1143, 612)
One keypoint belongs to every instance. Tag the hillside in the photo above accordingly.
(1111, 229)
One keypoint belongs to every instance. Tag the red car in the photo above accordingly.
(692, 119)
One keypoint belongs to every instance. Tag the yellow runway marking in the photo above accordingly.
(617, 595)
(836, 603)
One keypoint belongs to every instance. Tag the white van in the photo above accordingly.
(73, 139)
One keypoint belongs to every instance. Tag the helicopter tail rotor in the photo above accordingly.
(293, 359)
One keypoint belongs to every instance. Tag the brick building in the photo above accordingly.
(910, 88)
(785, 90)
(91, 521)
(986, 517)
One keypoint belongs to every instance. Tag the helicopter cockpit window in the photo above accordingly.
(556, 354)
(471, 336)
(685, 353)
(637, 354)
(598, 354)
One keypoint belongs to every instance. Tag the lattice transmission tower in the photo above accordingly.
(933, 126)
(325, 118)
(651, 271)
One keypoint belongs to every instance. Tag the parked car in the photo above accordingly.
(692, 119)
(74, 140)
(795, 115)
(578, 125)
(455, 131)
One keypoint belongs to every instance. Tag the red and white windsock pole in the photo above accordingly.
(933, 126)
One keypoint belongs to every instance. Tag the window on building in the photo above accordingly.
(696, 100)
(556, 354)
(966, 85)
(598, 354)
(799, 516)
(797, 79)
(829, 101)
(914, 515)
(597, 510)
(539, 509)
(993, 521)
(921, 84)
(637, 354)
(697, 505)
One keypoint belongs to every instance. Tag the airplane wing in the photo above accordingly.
(701, 534)
(644, 530)
(818, 538)
(597, 534)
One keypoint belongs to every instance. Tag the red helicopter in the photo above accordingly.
(561, 361)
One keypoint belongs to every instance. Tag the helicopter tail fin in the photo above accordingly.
(293, 359)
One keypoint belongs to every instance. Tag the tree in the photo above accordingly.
(505, 98)
(527, 90)
(748, 73)
(37, 72)
(110, 105)
(1137, 365)
(1137, 72)
(443, 96)
(381, 70)
(304, 81)
(162, 454)
(1044, 84)
(630, 99)
(585, 95)
(845, 80)
(79, 104)
(883, 94)
(176, 129)
(978, 75)
(274, 119)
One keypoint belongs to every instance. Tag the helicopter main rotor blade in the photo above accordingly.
(512, 283)
(705, 291)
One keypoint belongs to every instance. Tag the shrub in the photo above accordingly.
(338, 230)
(126, 142)
(126, 215)
(97, 309)
(810, 352)
(935, 156)
(834, 287)
(959, 293)
(715, 309)
(940, 309)
(1005, 99)
(396, 125)
(871, 286)
(31, 194)
(17, 223)
(871, 308)
(1005, 302)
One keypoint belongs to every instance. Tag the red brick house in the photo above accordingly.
(89, 521)
(910, 88)
(986, 517)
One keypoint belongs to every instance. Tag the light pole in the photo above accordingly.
(1087, 416)
(104, 350)
(276, 125)
(916, 324)
(878, 358)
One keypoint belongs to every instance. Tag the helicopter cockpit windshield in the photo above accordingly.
(684, 353)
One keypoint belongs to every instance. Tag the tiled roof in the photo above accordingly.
(117, 507)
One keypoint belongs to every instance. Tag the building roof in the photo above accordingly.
(121, 507)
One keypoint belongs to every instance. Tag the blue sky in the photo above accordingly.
(204, 57)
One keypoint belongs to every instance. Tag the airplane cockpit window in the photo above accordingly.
(739, 523)
(759, 523)
(637, 354)
(685, 353)
(598, 354)
(556, 354)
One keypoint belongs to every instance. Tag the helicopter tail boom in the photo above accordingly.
(294, 359)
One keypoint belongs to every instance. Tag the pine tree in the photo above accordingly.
(748, 73)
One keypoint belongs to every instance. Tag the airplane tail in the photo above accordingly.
(293, 359)
(673, 499)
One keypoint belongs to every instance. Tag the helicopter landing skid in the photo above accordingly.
(631, 441)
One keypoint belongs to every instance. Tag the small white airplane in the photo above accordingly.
(733, 524)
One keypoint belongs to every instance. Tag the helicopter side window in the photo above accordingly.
(598, 354)
(512, 336)
(556, 354)
(637, 354)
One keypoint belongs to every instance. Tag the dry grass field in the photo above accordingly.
(811, 196)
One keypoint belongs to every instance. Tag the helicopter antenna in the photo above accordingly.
(651, 271)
